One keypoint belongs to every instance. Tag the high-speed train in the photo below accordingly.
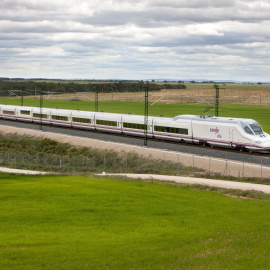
(238, 133)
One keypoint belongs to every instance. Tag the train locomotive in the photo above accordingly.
(236, 133)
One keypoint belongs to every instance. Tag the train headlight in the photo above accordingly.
(258, 142)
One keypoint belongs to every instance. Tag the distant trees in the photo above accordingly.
(69, 87)
(173, 86)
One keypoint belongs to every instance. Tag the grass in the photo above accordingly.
(63, 222)
(258, 113)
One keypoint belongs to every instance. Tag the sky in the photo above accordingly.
(135, 39)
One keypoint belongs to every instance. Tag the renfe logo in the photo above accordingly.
(215, 130)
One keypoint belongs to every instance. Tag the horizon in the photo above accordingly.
(146, 80)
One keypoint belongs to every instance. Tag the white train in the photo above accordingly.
(235, 133)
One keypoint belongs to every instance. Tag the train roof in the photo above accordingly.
(210, 118)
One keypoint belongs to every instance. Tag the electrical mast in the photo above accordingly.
(146, 113)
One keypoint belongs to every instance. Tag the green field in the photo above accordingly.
(258, 113)
(63, 222)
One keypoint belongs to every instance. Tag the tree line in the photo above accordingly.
(71, 87)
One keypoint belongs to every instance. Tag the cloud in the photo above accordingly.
(135, 39)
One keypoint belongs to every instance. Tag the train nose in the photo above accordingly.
(266, 145)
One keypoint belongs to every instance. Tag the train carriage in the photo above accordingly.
(41, 115)
(82, 119)
(228, 132)
(8, 112)
(212, 130)
(172, 129)
(24, 113)
(60, 117)
(110, 122)
(134, 125)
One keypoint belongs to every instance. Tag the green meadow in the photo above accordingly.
(258, 113)
(69, 222)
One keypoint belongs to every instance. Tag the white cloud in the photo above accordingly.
(135, 38)
(45, 51)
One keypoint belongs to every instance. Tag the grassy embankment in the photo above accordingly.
(48, 155)
(25, 152)
(60, 222)
(258, 113)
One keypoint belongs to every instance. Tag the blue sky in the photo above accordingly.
(149, 39)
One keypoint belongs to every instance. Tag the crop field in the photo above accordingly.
(249, 94)
(256, 112)
(63, 222)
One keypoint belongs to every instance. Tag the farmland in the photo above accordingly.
(63, 222)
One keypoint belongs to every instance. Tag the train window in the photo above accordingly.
(58, 117)
(246, 127)
(81, 120)
(171, 130)
(38, 115)
(25, 112)
(248, 130)
(256, 128)
(160, 128)
(106, 123)
(9, 112)
(133, 125)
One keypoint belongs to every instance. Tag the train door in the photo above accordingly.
(121, 124)
(191, 126)
(232, 135)
(94, 122)
(236, 138)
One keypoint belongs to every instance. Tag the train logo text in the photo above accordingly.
(215, 130)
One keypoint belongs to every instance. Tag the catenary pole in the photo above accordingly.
(96, 99)
(217, 101)
(41, 106)
(22, 96)
(146, 113)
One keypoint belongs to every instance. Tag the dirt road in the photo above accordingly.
(200, 181)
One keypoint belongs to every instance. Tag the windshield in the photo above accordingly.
(256, 128)
(246, 127)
